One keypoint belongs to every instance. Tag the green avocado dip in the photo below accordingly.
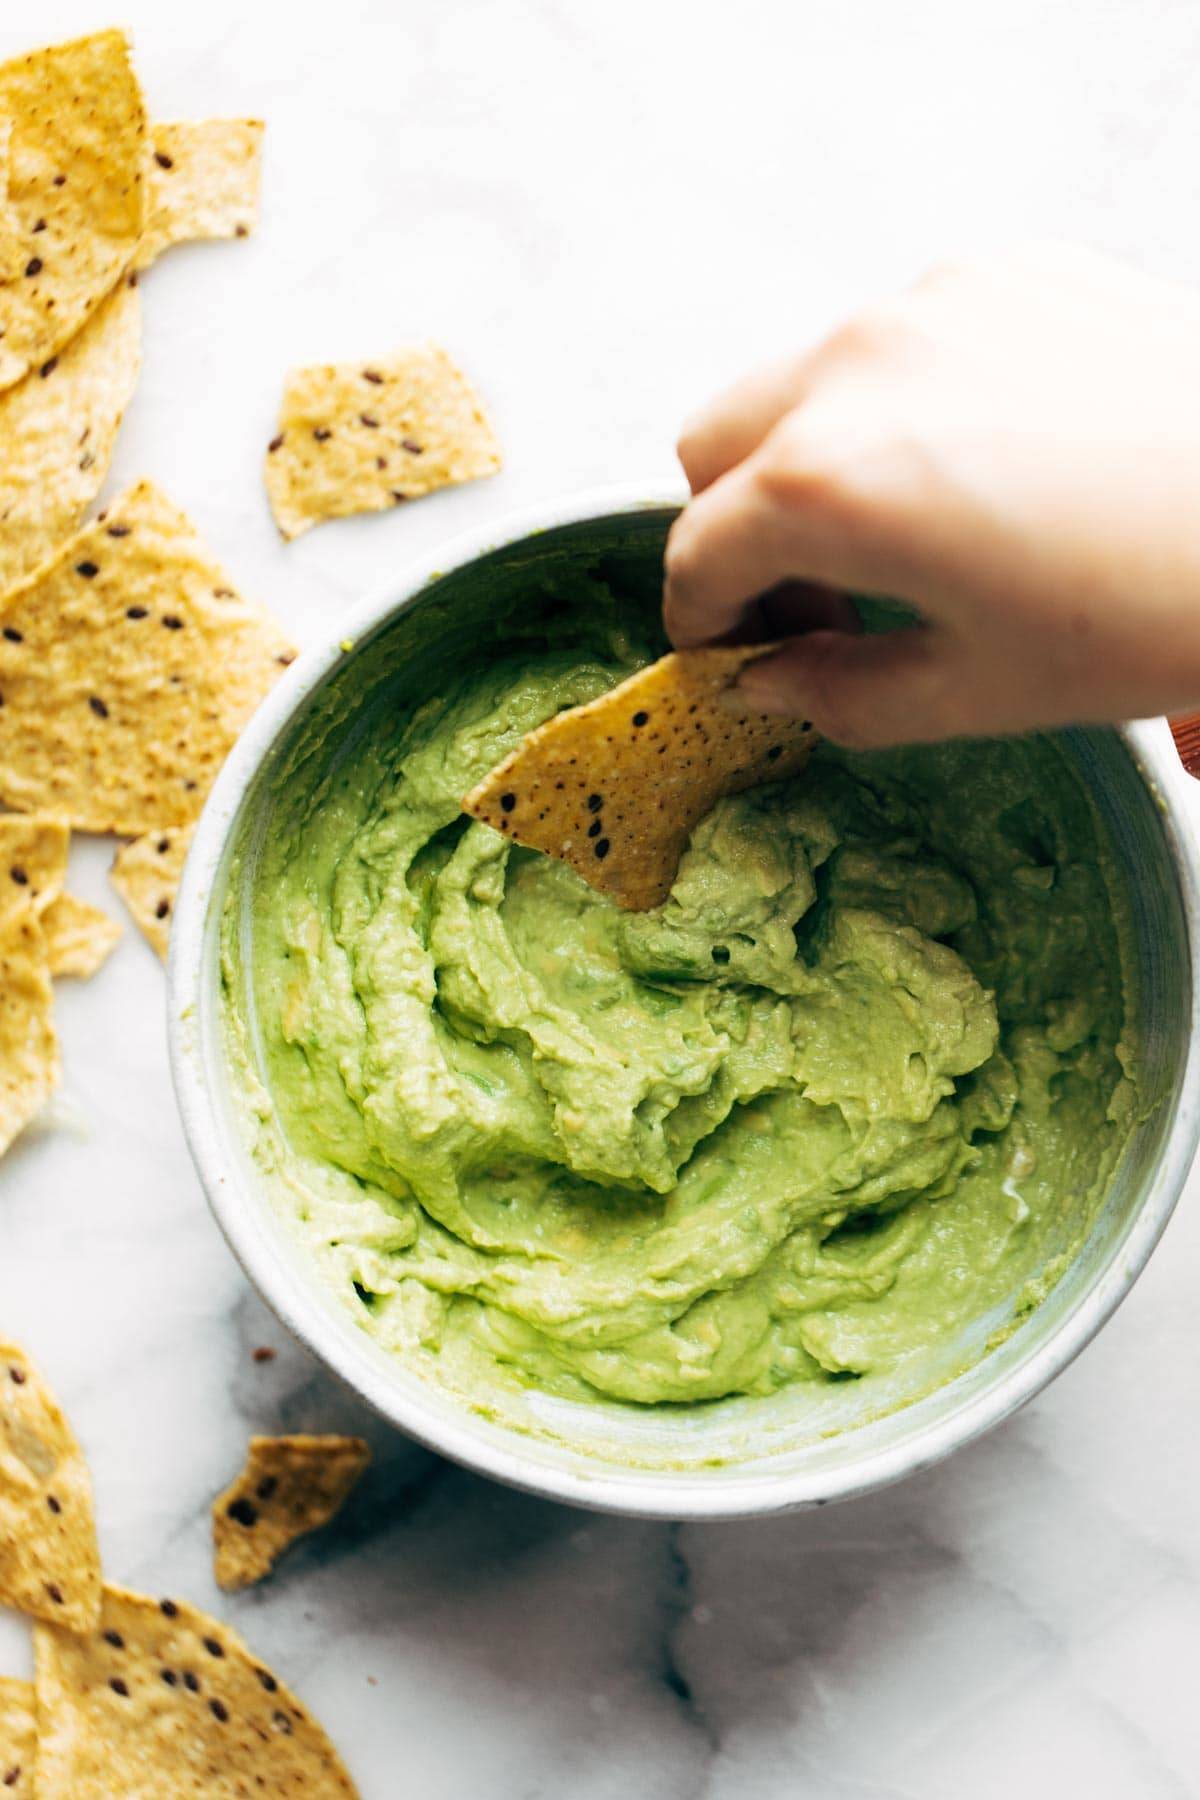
(856, 1086)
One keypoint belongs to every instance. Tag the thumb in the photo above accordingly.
(896, 687)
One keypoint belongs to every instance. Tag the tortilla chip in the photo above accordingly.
(128, 665)
(80, 937)
(361, 437)
(75, 190)
(57, 431)
(49, 1562)
(202, 180)
(289, 1487)
(33, 860)
(162, 1702)
(18, 1738)
(146, 875)
(29, 1062)
(616, 787)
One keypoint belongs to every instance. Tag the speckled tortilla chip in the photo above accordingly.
(128, 665)
(146, 875)
(33, 859)
(162, 1702)
(361, 437)
(616, 787)
(75, 190)
(29, 1060)
(289, 1487)
(18, 1738)
(80, 937)
(49, 1562)
(202, 178)
(57, 431)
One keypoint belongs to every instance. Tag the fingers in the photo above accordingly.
(864, 692)
(734, 424)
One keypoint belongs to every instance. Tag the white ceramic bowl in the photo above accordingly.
(737, 1457)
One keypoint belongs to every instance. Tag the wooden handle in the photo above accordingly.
(1186, 733)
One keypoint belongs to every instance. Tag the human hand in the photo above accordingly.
(1013, 447)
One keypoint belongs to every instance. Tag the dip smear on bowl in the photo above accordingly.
(858, 1084)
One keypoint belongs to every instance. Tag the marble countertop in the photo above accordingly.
(605, 211)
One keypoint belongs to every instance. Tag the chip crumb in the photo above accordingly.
(202, 181)
(616, 787)
(158, 1701)
(288, 1487)
(263, 1353)
(362, 437)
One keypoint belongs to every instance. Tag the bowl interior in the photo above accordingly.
(803, 1444)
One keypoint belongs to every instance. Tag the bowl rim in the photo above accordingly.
(505, 1453)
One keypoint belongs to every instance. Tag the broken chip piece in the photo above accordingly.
(128, 666)
(18, 1738)
(616, 787)
(29, 1058)
(75, 190)
(362, 437)
(146, 874)
(289, 1487)
(158, 1701)
(80, 937)
(57, 431)
(202, 179)
(49, 1561)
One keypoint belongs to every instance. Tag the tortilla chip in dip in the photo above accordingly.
(128, 666)
(161, 1702)
(146, 874)
(202, 179)
(80, 937)
(289, 1487)
(49, 1562)
(615, 788)
(362, 437)
(57, 431)
(18, 1738)
(75, 190)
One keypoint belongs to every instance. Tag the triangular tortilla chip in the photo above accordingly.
(18, 1738)
(616, 787)
(161, 1702)
(57, 431)
(361, 437)
(33, 860)
(80, 937)
(289, 1487)
(29, 1062)
(146, 874)
(49, 1563)
(128, 665)
(202, 179)
(75, 190)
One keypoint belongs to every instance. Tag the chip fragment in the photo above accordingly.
(162, 1702)
(146, 874)
(18, 1738)
(202, 180)
(288, 1487)
(80, 937)
(49, 1562)
(615, 788)
(29, 1058)
(57, 431)
(362, 437)
(75, 190)
(128, 666)
(33, 859)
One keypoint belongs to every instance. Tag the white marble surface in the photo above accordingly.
(606, 208)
